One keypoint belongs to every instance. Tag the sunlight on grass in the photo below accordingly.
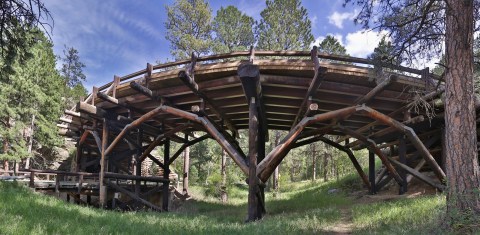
(406, 216)
(307, 208)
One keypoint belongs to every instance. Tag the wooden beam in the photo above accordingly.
(417, 168)
(190, 83)
(426, 97)
(159, 163)
(109, 175)
(314, 85)
(133, 196)
(148, 93)
(250, 77)
(358, 144)
(238, 157)
(160, 138)
(376, 90)
(402, 155)
(148, 74)
(186, 167)
(253, 212)
(166, 175)
(411, 136)
(373, 147)
(187, 144)
(371, 172)
(133, 125)
(350, 155)
(266, 167)
(417, 174)
(91, 109)
(103, 188)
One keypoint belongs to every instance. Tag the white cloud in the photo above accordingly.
(251, 8)
(362, 43)
(110, 39)
(337, 18)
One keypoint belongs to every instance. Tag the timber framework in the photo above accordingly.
(361, 103)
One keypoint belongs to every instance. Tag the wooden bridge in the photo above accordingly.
(308, 94)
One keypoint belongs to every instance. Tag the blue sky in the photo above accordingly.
(118, 37)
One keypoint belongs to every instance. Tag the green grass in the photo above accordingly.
(302, 208)
(404, 216)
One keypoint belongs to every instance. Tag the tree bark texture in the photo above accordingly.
(223, 192)
(461, 139)
(314, 161)
(276, 174)
(186, 169)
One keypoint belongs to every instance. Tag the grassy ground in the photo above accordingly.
(306, 208)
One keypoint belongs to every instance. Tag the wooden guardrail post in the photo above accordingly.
(32, 179)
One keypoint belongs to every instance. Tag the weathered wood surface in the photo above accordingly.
(253, 190)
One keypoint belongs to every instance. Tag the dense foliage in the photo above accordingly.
(30, 103)
(189, 28)
(233, 30)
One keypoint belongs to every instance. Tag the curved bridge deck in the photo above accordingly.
(309, 94)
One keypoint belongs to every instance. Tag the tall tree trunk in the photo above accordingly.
(30, 142)
(276, 175)
(186, 170)
(223, 188)
(461, 139)
(314, 162)
(325, 167)
(5, 162)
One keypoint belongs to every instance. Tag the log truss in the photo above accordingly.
(119, 125)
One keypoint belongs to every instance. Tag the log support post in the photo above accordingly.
(103, 160)
(371, 171)
(166, 174)
(254, 192)
(250, 77)
(186, 167)
(138, 163)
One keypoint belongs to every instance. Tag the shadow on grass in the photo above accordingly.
(24, 212)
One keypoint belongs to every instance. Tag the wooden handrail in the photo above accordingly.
(236, 54)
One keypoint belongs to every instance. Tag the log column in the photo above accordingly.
(138, 164)
(166, 174)
(371, 171)
(103, 188)
(186, 167)
(253, 190)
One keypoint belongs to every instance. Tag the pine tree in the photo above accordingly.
(31, 103)
(331, 45)
(385, 52)
(284, 26)
(17, 19)
(73, 76)
(189, 28)
(233, 30)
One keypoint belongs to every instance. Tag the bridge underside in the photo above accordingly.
(312, 96)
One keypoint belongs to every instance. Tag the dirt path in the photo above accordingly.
(345, 224)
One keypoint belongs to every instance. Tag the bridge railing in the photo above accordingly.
(238, 54)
